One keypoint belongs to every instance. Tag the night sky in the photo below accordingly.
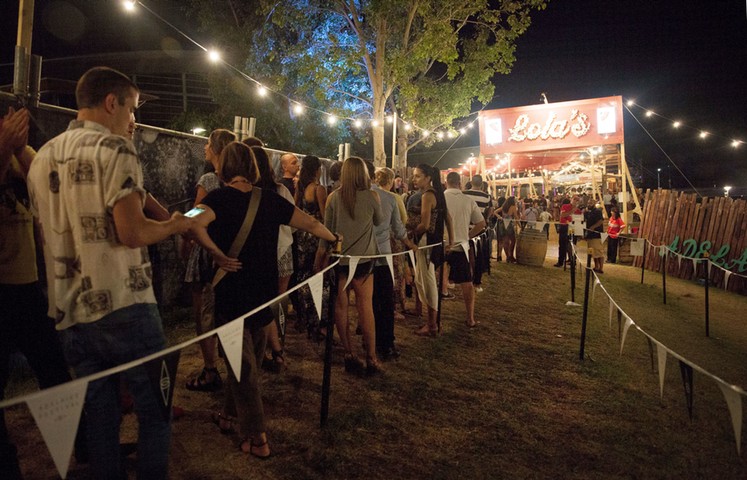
(685, 60)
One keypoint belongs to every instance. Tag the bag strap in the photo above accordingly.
(246, 227)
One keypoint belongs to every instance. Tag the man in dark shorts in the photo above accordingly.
(468, 222)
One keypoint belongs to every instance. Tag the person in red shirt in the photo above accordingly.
(614, 229)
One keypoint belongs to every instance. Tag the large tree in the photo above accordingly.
(426, 60)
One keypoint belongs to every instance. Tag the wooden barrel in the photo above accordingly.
(623, 250)
(531, 247)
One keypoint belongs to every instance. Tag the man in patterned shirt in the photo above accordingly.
(86, 187)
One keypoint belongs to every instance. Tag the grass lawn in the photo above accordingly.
(508, 399)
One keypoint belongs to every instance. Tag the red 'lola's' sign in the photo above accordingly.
(583, 123)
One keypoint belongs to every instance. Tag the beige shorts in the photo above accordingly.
(595, 247)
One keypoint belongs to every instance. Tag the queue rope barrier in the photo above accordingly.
(733, 394)
(120, 368)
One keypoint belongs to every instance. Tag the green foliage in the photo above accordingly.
(429, 60)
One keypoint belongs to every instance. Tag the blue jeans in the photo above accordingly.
(120, 337)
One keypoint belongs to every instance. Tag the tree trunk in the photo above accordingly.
(379, 151)
(401, 165)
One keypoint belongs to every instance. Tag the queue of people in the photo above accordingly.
(248, 239)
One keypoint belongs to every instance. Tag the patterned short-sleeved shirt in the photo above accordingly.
(74, 182)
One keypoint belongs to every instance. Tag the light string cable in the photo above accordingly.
(662, 151)
(292, 102)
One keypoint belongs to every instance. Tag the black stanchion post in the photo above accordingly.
(664, 276)
(643, 263)
(586, 306)
(440, 283)
(573, 277)
(707, 307)
(327, 376)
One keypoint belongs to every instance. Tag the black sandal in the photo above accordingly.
(201, 384)
(226, 424)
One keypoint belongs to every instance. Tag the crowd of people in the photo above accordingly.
(250, 236)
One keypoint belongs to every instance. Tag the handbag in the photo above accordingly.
(246, 227)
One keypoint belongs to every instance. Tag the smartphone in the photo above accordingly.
(194, 212)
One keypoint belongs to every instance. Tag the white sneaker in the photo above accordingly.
(478, 289)
(451, 286)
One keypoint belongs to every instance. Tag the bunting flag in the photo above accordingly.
(619, 324)
(708, 266)
(162, 374)
(390, 262)
(612, 309)
(636, 247)
(56, 411)
(412, 257)
(465, 249)
(231, 336)
(679, 261)
(604, 237)
(540, 225)
(727, 274)
(506, 223)
(695, 265)
(351, 272)
(734, 402)
(628, 323)
(661, 354)
(594, 287)
(687, 381)
(316, 285)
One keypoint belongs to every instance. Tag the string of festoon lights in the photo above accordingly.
(298, 107)
(680, 125)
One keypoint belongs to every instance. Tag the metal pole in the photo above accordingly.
(573, 273)
(394, 141)
(586, 306)
(327, 373)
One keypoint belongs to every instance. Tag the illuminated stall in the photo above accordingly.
(564, 146)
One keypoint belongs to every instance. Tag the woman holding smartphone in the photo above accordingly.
(251, 279)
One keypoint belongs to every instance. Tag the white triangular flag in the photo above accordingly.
(734, 402)
(604, 237)
(465, 249)
(612, 310)
(628, 323)
(412, 257)
(695, 264)
(506, 223)
(540, 225)
(57, 413)
(316, 285)
(661, 357)
(390, 262)
(351, 271)
(231, 337)
(708, 266)
(636, 248)
(594, 288)
(679, 261)
(727, 274)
